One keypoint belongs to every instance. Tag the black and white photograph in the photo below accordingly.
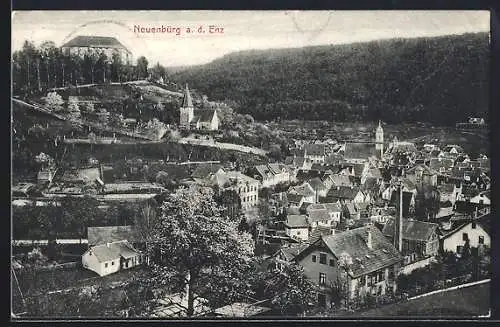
(220, 165)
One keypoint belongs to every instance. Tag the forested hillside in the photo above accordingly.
(441, 80)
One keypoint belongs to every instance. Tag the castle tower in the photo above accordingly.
(379, 140)
(187, 110)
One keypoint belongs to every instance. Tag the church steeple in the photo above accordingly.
(187, 102)
(379, 140)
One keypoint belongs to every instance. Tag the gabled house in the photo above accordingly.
(304, 190)
(358, 152)
(286, 255)
(207, 173)
(271, 174)
(483, 198)
(111, 234)
(346, 195)
(315, 153)
(105, 259)
(324, 214)
(318, 186)
(476, 233)
(297, 227)
(360, 258)
(449, 192)
(422, 175)
(443, 166)
(278, 202)
(420, 239)
(246, 187)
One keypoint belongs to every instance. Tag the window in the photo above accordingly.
(473, 225)
(322, 278)
(298, 232)
(332, 263)
(459, 249)
(380, 276)
(313, 258)
(362, 280)
(112, 263)
(322, 300)
(322, 258)
(106, 265)
(465, 237)
(481, 239)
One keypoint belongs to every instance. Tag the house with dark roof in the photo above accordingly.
(476, 233)
(207, 173)
(304, 190)
(420, 239)
(318, 186)
(315, 152)
(344, 194)
(324, 214)
(422, 175)
(84, 44)
(297, 227)
(358, 152)
(271, 174)
(285, 255)
(362, 258)
(105, 259)
(449, 192)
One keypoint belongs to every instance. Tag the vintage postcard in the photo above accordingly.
(250, 164)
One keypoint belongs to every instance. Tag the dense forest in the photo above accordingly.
(441, 80)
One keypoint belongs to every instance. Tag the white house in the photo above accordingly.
(271, 174)
(477, 232)
(482, 198)
(324, 214)
(109, 258)
(296, 226)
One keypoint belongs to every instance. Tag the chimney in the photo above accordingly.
(369, 238)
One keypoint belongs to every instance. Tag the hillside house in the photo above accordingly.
(344, 194)
(449, 192)
(324, 214)
(246, 187)
(476, 232)
(420, 239)
(271, 174)
(443, 166)
(297, 227)
(318, 186)
(110, 234)
(285, 256)
(304, 190)
(315, 153)
(208, 174)
(483, 198)
(109, 258)
(422, 175)
(278, 202)
(360, 258)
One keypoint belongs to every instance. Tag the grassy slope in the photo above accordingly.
(465, 302)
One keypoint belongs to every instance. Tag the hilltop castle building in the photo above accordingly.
(81, 45)
(191, 118)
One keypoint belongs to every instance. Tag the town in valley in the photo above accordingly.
(321, 181)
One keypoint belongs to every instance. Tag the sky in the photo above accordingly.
(237, 30)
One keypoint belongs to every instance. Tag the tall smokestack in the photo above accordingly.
(399, 225)
(369, 238)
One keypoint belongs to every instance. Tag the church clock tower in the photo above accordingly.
(379, 140)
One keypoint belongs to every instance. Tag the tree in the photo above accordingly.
(89, 107)
(344, 263)
(54, 101)
(74, 110)
(146, 223)
(290, 291)
(142, 67)
(197, 250)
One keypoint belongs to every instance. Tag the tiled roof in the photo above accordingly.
(114, 251)
(318, 232)
(412, 229)
(204, 115)
(403, 147)
(318, 215)
(292, 250)
(205, 171)
(314, 149)
(303, 189)
(424, 168)
(343, 192)
(296, 221)
(241, 310)
(103, 235)
(95, 42)
(294, 198)
(341, 180)
(317, 184)
(359, 150)
(364, 260)
(81, 175)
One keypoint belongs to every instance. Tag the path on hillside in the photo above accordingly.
(225, 146)
(80, 122)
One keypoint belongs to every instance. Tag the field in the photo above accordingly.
(466, 302)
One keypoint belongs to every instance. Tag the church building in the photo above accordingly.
(197, 119)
